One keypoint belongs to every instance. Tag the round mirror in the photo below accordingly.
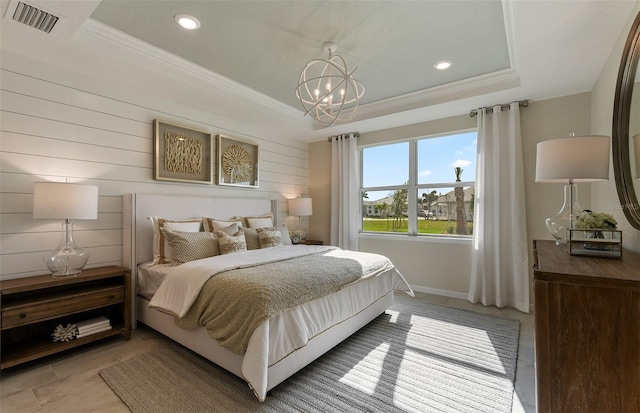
(626, 124)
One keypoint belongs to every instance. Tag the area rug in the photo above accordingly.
(416, 357)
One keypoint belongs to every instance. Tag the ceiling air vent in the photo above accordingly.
(34, 17)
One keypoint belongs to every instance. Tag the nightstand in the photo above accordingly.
(32, 307)
(312, 242)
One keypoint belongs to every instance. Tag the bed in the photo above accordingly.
(279, 346)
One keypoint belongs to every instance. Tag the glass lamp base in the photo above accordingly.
(68, 259)
(559, 224)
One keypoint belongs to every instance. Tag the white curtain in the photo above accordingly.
(500, 263)
(345, 192)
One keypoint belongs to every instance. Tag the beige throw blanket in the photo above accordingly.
(233, 303)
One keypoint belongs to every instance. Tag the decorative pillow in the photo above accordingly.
(269, 237)
(211, 224)
(261, 221)
(191, 246)
(284, 235)
(251, 237)
(231, 241)
(161, 248)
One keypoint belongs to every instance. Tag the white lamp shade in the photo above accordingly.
(636, 152)
(576, 158)
(57, 200)
(300, 207)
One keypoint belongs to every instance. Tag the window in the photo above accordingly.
(423, 186)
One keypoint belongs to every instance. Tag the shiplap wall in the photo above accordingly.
(52, 129)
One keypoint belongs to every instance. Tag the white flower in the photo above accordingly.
(591, 219)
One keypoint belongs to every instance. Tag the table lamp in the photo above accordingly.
(570, 160)
(55, 200)
(300, 207)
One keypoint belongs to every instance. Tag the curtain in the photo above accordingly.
(345, 192)
(500, 263)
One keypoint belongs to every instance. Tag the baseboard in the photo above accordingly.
(435, 291)
(452, 294)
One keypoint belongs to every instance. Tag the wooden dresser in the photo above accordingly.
(587, 332)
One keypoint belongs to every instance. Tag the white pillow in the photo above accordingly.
(260, 222)
(268, 215)
(284, 231)
(161, 247)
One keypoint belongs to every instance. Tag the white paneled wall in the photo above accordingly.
(55, 130)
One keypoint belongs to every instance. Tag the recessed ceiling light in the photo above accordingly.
(443, 64)
(187, 21)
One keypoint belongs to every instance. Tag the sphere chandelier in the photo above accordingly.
(327, 90)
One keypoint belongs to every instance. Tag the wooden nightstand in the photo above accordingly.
(312, 242)
(32, 307)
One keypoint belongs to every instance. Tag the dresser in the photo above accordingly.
(587, 331)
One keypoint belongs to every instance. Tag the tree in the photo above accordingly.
(428, 200)
(398, 206)
(461, 219)
(383, 209)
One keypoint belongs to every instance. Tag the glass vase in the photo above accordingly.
(559, 224)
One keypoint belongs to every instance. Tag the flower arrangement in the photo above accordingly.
(590, 219)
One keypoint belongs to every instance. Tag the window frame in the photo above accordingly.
(412, 187)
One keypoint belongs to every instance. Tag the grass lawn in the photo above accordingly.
(424, 226)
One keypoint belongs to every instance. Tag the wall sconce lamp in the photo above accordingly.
(570, 160)
(55, 200)
(300, 207)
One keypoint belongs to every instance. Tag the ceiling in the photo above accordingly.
(501, 50)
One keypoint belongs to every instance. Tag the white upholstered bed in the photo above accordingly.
(270, 357)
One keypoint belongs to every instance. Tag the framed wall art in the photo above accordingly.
(237, 162)
(182, 154)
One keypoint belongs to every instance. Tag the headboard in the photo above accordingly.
(138, 232)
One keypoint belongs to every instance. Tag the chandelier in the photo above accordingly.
(327, 90)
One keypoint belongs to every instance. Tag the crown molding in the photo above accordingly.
(462, 89)
(182, 70)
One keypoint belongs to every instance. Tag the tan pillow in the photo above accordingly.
(231, 241)
(191, 246)
(211, 224)
(258, 221)
(269, 237)
(251, 237)
(161, 248)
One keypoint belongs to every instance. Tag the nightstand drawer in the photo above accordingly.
(56, 306)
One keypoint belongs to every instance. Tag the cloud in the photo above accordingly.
(426, 172)
(461, 163)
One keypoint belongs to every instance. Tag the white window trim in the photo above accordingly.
(412, 187)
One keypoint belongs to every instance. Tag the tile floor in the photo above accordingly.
(69, 382)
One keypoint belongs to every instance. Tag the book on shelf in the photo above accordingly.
(92, 324)
(95, 331)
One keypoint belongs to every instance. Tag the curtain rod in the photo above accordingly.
(504, 106)
(344, 135)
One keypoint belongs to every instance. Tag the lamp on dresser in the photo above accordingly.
(300, 207)
(66, 201)
(571, 160)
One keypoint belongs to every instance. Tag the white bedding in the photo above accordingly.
(268, 344)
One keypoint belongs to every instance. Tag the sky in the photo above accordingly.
(437, 157)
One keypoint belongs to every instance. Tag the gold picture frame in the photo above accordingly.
(182, 154)
(237, 163)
